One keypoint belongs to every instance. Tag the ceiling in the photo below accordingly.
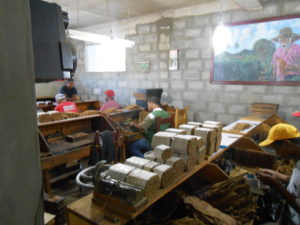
(84, 13)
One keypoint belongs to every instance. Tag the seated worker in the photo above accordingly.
(110, 101)
(69, 91)
(139, 147)
(63, 105)
(285, 139)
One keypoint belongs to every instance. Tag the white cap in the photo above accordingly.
(59, 97)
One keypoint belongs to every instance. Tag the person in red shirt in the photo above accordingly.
(110, 101)
(63, 105)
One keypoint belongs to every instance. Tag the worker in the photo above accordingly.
(285, 139)
(63, 105)
(110, 101)
(139, 147)
(70, 91)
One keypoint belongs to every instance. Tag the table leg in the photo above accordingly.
(46, 177)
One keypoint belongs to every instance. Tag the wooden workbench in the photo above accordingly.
(62, 152)
(85, 212)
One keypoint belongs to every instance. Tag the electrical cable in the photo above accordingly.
(77, 11)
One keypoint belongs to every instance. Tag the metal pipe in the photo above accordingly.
(83, 174)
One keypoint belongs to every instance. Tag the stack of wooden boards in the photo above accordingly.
(262, 109)
(139, 96)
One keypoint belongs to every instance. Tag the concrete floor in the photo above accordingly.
(70, 191)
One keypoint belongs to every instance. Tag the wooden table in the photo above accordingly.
(77, 150)
(49, 219)
(53, 155)
(84, 211)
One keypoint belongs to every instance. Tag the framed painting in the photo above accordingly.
(265, 52)
(142, 67)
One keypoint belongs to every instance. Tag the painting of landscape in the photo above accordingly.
(259, 52)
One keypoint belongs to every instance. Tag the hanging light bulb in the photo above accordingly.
(221, 39)
(222, 35)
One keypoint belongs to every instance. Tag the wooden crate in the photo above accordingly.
(139, 96)
(264, 108)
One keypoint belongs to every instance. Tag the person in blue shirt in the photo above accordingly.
(69, 90)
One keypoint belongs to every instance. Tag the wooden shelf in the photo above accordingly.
(59, 159)
(65, 146)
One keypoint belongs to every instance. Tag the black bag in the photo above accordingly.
(103, 148)
(107, 144)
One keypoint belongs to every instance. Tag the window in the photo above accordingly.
(105, 58)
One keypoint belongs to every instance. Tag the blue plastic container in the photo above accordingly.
(142, 103)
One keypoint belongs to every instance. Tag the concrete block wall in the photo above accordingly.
(189, 86)
(48, 89)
